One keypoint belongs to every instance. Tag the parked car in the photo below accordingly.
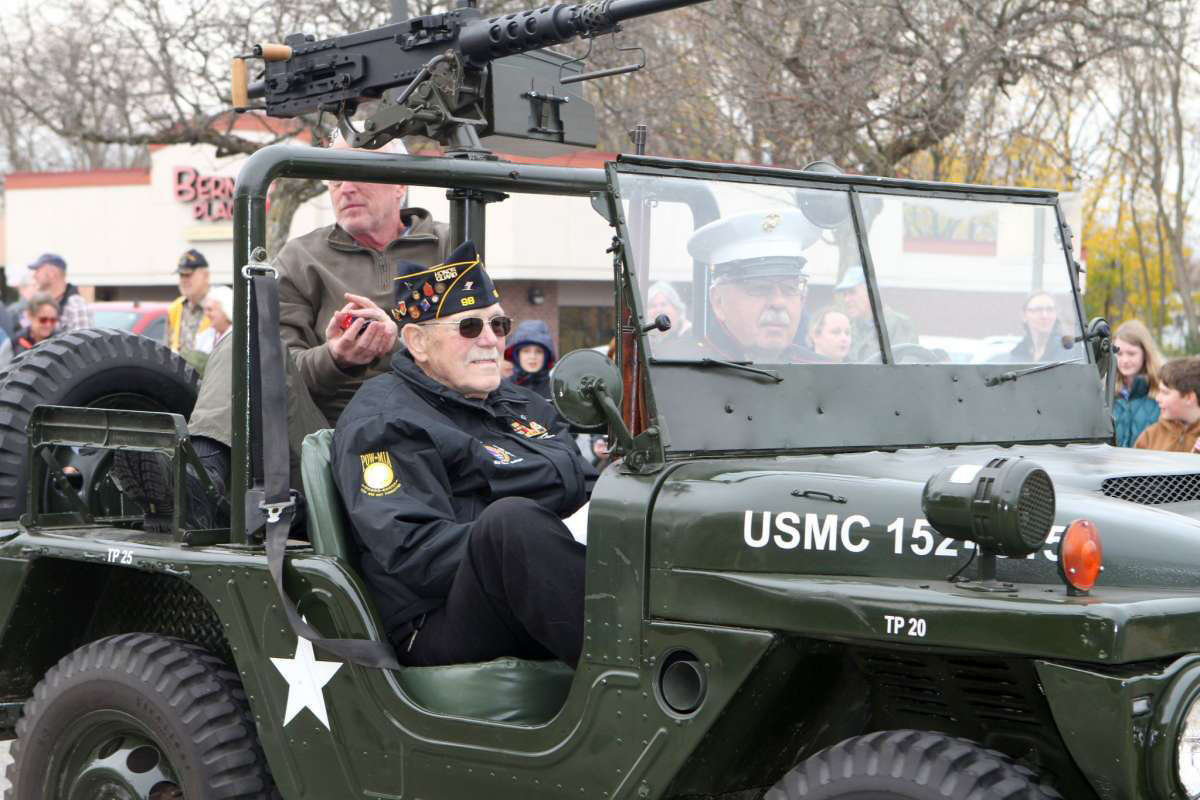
(148, 319)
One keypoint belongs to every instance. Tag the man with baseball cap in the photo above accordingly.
(757, 284)
(50, 276)
(851, 294)
(456, 484)
(185, 315)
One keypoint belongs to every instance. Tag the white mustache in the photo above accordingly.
(773, 316)
(483, 354)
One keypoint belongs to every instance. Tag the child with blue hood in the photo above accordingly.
(532, 355)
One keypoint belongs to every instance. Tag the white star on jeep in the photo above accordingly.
(305, 677)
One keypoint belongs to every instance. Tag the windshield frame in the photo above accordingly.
(1085, 418)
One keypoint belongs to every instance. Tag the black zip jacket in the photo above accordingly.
(416, 464)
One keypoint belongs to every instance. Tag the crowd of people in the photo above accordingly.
(49, 305)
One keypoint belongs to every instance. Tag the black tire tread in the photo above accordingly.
(205, 693)
(953, 768)
(44, 373)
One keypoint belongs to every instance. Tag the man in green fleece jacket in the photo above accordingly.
(337, 275)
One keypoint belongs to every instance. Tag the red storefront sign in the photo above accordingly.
(211, 196)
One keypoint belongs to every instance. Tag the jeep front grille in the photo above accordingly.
(1153, 490)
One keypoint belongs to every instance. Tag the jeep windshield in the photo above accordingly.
(770, 273)
(850, 284)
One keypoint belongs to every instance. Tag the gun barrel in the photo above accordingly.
(522, 31)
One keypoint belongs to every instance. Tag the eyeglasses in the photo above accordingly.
(44, 320)
(788, 287)
(471, 327)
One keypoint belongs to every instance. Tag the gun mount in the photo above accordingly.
(454, 77)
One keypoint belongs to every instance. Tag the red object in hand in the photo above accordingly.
(348, 320)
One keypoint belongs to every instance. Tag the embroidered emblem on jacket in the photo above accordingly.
(501, 455)
(378, 477)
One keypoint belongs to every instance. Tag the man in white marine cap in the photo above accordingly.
(757, 285)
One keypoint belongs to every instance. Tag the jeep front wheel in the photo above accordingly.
(909, 765)
(138, 717)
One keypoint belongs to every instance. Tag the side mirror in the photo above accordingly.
(579, 381)
(826, 210)
(587, 389)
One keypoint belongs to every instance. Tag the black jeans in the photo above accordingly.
(518, 592)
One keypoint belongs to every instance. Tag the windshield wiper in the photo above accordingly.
(1005, 377)
(716, 362)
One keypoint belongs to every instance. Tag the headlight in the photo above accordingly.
(1187, 752)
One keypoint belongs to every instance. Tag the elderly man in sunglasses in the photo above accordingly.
(456, 484)
(757, 285)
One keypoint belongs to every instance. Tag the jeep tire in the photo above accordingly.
(909, 765)
(138, 717)
(94, 367)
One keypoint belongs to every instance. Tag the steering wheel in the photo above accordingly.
(904, 353)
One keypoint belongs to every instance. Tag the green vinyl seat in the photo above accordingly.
(504, 690)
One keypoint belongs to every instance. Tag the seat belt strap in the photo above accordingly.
(279, 503)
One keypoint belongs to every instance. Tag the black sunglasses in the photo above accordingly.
(471, 327)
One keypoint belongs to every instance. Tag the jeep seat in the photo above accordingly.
(504, 690)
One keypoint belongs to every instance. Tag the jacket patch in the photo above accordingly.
(378, 477)
(531, 429)
(501, 456)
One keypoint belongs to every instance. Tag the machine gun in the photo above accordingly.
(454, 77)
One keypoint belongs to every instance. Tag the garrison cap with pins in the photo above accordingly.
(460, 283)
(754, 244)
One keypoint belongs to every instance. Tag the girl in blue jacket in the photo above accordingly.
(1138, 362)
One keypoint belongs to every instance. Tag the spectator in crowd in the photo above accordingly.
(663, 299)
(185, 316)
(218, 310)
(457, 483)
(1138, 363)
(26, 289)
(43, 320)
(1043, 336)
(1178, 425)
(338, 274)
(532, 355)
(600, 454)
(851, 294)
(829, 334)
(50, 276)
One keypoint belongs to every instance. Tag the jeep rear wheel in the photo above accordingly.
(138, 717)
(95, 368)
(909, 765)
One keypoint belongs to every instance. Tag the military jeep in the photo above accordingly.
(910, 567)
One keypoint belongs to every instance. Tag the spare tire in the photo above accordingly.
(96, 368)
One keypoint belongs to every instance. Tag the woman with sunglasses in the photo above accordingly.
(457, 484)
(42, 312)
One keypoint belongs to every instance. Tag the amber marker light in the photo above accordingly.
(1080, 557)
